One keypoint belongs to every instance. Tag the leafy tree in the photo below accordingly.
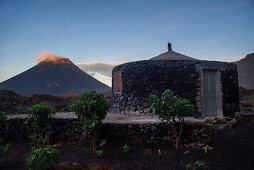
(42, 158)
(168, 107)
(40, 115)
(2, 117)
(91, 109)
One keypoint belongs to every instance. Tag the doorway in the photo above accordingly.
(211, 91)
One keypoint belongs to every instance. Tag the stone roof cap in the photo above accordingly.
(171, 55)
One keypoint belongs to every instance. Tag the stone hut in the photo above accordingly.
(211, 86)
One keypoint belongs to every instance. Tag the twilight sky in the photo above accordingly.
(114, 31)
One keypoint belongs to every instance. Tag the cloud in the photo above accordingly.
(102, 71)
(99, 67)
(104, 79)
(48, 56)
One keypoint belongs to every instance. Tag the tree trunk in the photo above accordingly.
(93, 145)
(177, 141)
(177, 135)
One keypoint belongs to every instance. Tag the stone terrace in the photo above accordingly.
(123, 128)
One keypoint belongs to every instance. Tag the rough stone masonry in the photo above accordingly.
(133, 82)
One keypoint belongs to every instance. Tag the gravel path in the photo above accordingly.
(112, 118)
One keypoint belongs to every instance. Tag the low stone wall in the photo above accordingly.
(70, 129)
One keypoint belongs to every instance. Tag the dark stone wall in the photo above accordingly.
(71, 129)
(229, 85)
(143, 78)
(230, 90)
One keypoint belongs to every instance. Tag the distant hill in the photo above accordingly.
(7, 93)
(246, 71)
(55, 77)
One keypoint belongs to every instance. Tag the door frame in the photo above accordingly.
(218, 91)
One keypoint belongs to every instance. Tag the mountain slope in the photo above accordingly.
(53, 77)
(98, 76)
(245, 68)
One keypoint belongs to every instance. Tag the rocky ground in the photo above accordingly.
(12, 103)
(17, 104)
(232, 149)
(220, 143)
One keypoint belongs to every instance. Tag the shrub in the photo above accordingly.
(40, 114)
(42, 158)
(196, 165)
(74, 165)
(38, 141)
(126, 149)
(85, 150)
(2, 117)
(91, 109)
(4, 149)
(168, 107)
(99, 152)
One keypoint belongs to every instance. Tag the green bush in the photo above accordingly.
(2, 117)
(168, 107)
(4, 149)
(42, 158)
(126, 149)
(196, 165)
(91, 109)
(99, 152)
(40, 114)
(74, 165)
(38, 141)
(85, 150)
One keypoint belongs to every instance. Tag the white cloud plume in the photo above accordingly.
(99, 67)
(102, 71)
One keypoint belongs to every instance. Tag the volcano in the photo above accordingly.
(55, 77)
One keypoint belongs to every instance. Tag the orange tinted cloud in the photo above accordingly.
(236, 58)
(48, 56)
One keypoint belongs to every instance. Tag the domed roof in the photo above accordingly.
(171, 55)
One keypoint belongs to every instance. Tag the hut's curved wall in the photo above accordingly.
(133, 82)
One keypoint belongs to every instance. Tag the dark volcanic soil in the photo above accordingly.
(233, 149)
(16, 104)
